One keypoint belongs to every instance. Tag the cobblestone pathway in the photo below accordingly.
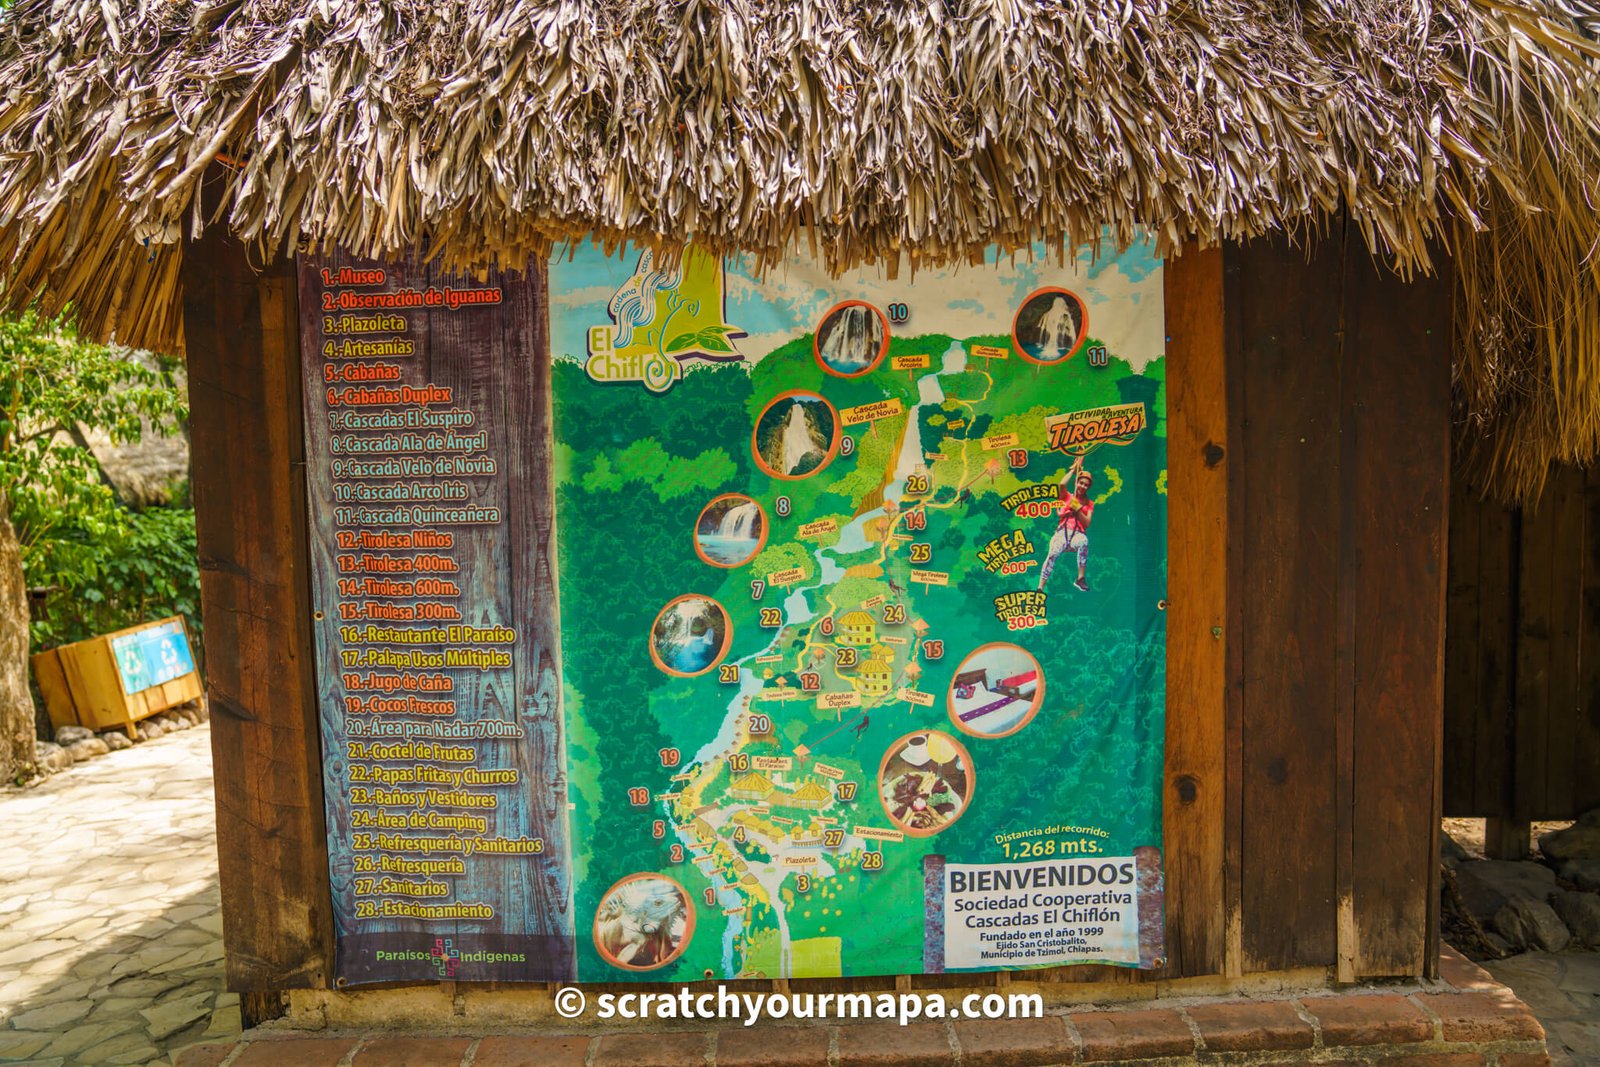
(111, 933)
(110, 929)
(1563, 989)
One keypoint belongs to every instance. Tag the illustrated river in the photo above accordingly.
(797, 610)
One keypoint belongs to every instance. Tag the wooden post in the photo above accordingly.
(1395, 386)
(1507, 839)
(249, 489)
(1197, 538)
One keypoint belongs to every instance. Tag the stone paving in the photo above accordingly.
(1563, 990)
(111, 931)
(110, 925)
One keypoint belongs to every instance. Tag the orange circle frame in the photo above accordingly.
(950, 695)
(765, 526)
(883, 765)
(722, 653)
(1077, 342)
(883, 346)
(833, 446)
(688, 926)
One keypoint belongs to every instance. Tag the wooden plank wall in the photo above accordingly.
(1198, 441)
(1308, 400)
(1480, 655)
(249, 491)
(1396, 403)
(1286, 493)
(1339, 374)
(1522, 684)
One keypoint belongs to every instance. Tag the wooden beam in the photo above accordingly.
(1233, 329)
(1197, 507)
(1564, 495)
(1486, 713)
(1347, 619)
(1535, 641)
(248, 481)
(1507, 839)
(1287, 308)
(1396, 389)
(1585, 729)
(1463, 659)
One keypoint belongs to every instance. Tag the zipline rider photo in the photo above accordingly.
(1073, 530)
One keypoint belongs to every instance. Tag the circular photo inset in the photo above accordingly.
(1050, 325)
(730, 531)
(997, 690)
(643, 922)
(690, 635)
(851, 339)
(925, 782)
(796, 435)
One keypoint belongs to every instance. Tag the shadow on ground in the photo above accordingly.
(111, 933)
(1563, 989)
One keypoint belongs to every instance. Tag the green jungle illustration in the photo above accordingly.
(787, 678)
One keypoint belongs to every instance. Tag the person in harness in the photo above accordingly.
(1073, 530)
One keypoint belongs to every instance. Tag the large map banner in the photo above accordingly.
(862, 586)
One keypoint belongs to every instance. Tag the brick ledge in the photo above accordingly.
(1466, 1021)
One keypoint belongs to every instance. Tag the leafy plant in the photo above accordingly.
(58, 514)
(709, 338)
(54, 388)
(95, 584)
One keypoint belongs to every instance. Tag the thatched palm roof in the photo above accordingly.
(492, 129)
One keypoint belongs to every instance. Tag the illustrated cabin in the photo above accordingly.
(874, 678)
(857, 629)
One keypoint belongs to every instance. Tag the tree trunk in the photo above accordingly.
(16, 702)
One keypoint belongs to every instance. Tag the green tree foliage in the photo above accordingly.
(54, 388)
(646, 463)
(627, 558)
(58, 515)
(147, 568)
(782, 557)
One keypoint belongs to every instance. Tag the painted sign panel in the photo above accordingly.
(861, 585)
(860, 666)
(426, 451)
(152, 656)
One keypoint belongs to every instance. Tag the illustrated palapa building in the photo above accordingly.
(810, 796)
(753, 786)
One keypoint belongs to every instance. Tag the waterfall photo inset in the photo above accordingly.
(644, 921)
(851, 339)
(796, 435)
(730, 531)
(690, 635)
(1050, 325)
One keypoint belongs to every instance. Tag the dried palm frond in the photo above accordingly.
(488, 132)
